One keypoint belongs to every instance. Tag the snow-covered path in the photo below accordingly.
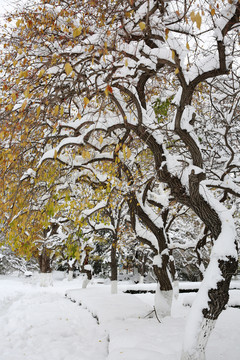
(41, 324)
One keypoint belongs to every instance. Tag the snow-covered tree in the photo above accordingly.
(85, 75)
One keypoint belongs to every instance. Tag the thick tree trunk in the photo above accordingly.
(164, 291)
(198, 352)
(212, 296)
(87, 269)
(44, 262)
(87, 279)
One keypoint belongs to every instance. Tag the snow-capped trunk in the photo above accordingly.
(87, 269)
(163, 302)
(164, 291)
(213, 294)
(141, 278)
(45, 279)
(70, 275)
(114, 287)
(198, 353)
(175, 286)
(85, 282)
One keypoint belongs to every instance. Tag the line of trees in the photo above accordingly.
(122, 116)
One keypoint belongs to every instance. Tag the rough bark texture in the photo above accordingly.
(162, 275)
(44, 262)
(114, 263)
(218, 297)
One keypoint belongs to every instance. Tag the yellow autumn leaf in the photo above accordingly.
(101, 140)
(213, 12)
(193, 16)
(61, 110)
(14, 97)
(24, 105)
(187, 46)
(86, 101)
(176, 71)
(9, 107)
(173, 54)
(55, 154)
(142, 25)
(38, 110)
(55, 111)
(18, 23)
(198, 20)
(77, 31)
(128, 153)
(86, 154)
(41, 72)
(166, 33)
(68, 68)
(117, 148)
(26, 92)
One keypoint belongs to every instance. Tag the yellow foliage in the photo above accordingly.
(77, 31)
(198, 20)
(128, 152)
(38, 111)
(142, 25)
(68, 68)
(41, 72)
(213, 12)
(101, 140)
(26, 92)
(14, 96)
(55, 111)
(193, 16)
(23, 107)
(18, 22)
(86, 101)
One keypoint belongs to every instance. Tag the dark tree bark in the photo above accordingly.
(44, 261)
(114, 262)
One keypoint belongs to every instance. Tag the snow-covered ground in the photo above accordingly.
(41, 323)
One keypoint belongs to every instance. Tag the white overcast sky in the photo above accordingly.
(8, 5)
